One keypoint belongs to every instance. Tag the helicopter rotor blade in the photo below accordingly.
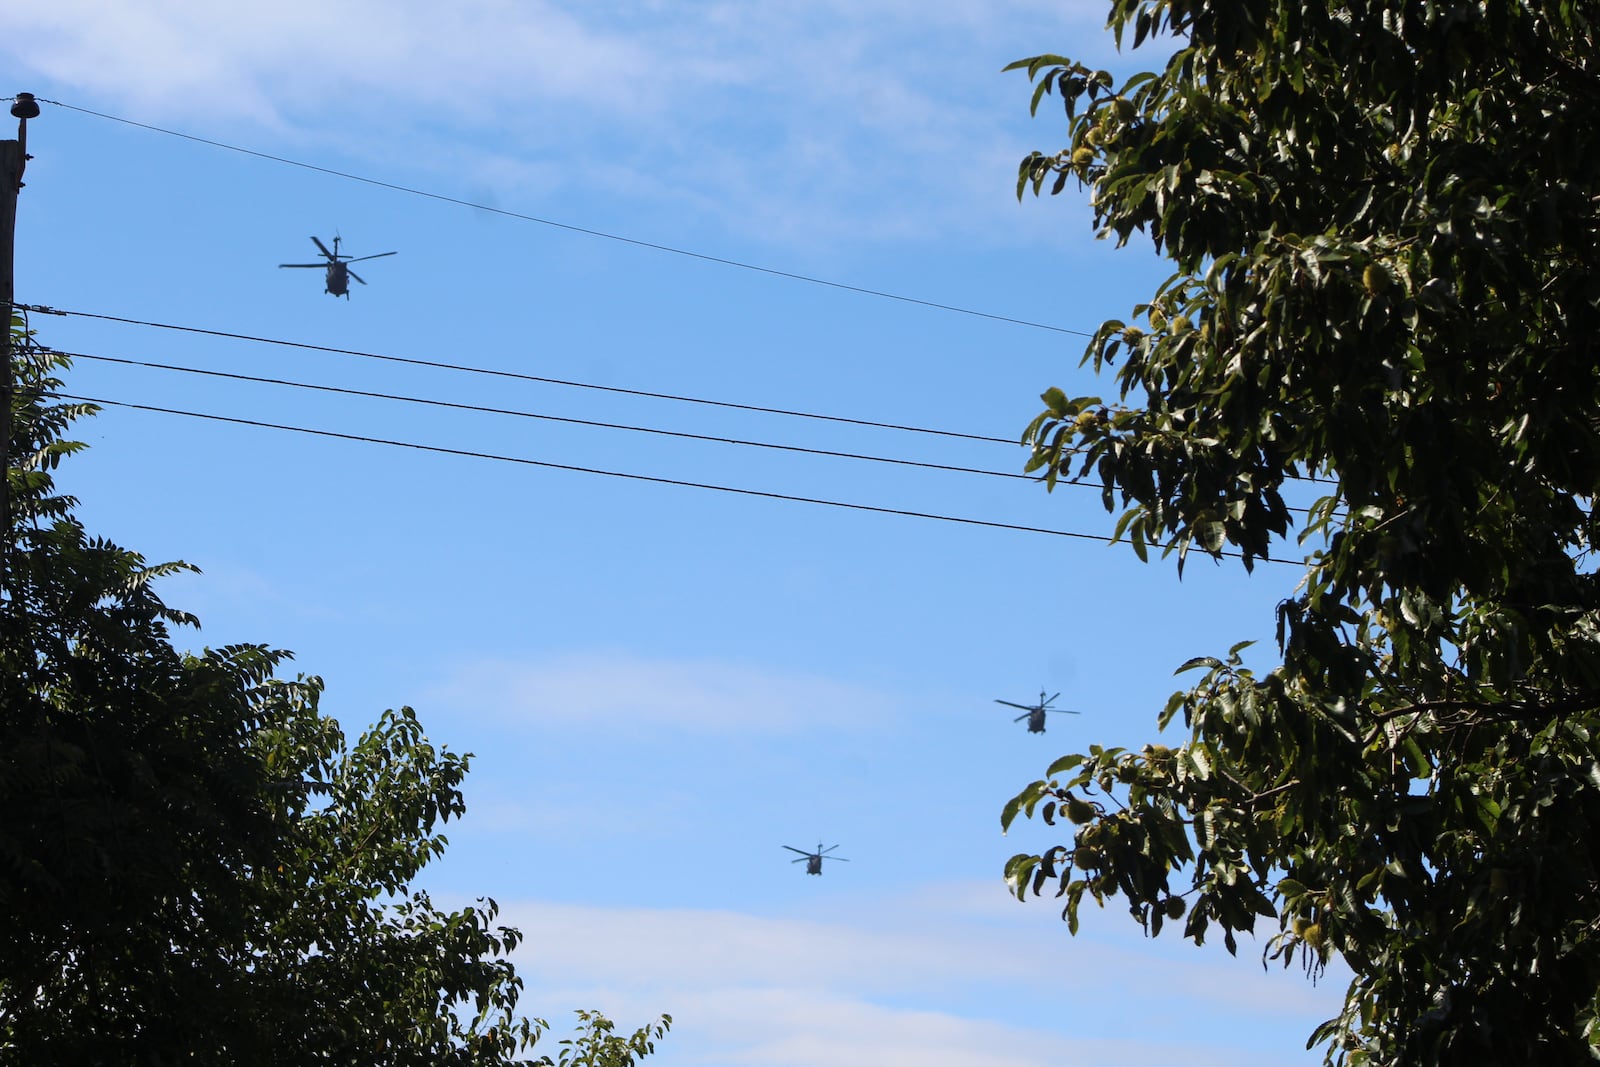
(324, 248)
(1051, 700)
(356, 276)
(380, 255)
(1009, 704)
(841, 859)
(314, 266)
(824, 851)
(1064, 711)
(1019, 718)
(802, 851)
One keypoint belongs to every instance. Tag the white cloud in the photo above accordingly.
(928, 940)
(257, 61)
(884, 980)
(724, 949)
(786, 1027)
(596, 688)
(232, 588)
(794, 1028)
(788, 122)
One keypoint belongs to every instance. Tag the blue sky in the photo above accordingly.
(662, 685)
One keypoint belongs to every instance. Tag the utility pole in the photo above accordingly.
(13, 159)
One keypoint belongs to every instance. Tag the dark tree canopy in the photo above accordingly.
(195, 863)
(1384, 224)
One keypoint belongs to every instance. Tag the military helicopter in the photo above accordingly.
(813, 860)
(1034, 713)
(338, 267)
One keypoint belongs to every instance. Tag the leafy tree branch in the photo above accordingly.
(1382, 223)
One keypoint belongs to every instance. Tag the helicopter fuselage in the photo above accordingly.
(337, 272)
(338, 281)
(1034, 713)
(813, 860)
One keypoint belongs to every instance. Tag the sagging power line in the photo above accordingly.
(519, 376)
(568, 420)
(576, 469)
(627, 475)
(1077, 482)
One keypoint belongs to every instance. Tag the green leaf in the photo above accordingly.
(1009, 812)
(1371, 220)
(1064, 764)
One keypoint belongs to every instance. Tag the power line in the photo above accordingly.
(1073, 481)
(586, 231)
(817, 416)
(573, 468)
(593, 233)
(551, 465)
(525, 377)
(568, 420)
(545, 417)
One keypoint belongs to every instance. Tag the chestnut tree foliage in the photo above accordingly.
(1382, 220)
(196, 865)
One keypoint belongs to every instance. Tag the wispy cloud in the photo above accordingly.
(788, 1027)
(787, 122)
(801, 1028)
(884, 980)
(263, 61)
(689, 696)
(230, 586)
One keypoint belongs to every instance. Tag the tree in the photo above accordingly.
(597, 1045)
(1382, 220)
(194, 863)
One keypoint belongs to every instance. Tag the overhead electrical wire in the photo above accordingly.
(519, 376)
(576, 469)
(682, 434)
(571, 228)
(589, 232)
(561, 382)
(1079, 482)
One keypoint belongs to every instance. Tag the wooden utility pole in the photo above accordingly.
(13, 159)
